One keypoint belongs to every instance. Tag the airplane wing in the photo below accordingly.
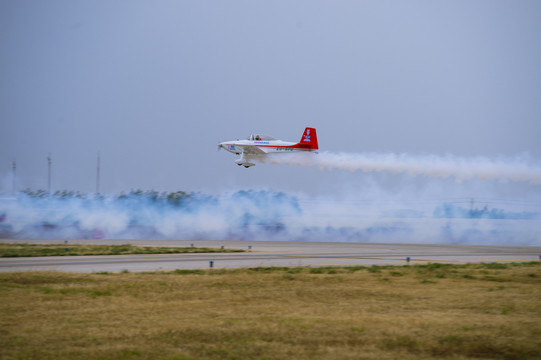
(252, 150)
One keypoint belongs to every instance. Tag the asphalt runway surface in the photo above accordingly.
(265, 254)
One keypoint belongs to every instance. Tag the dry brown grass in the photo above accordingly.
(416, 312)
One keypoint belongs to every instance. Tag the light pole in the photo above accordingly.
(98, 175)
(14, 177)
(49, 175)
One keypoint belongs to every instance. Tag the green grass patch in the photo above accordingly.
(189, 272)
(493, 266)
(33, 250)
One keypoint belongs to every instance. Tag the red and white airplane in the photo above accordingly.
(258, 146)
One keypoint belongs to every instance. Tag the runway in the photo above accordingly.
(264, 254)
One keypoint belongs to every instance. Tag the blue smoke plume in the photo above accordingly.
(260, 215)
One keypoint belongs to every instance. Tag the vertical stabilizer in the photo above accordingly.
(309, 139)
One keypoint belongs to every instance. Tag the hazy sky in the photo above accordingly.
(155, 85)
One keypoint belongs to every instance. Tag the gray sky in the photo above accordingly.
(155, 85)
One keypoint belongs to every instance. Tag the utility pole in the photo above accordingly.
(98, 175)
(49, 174)
(14, 176)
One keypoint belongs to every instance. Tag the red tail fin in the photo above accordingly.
(309, 139)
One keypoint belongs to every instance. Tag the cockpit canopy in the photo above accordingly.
(260, 137)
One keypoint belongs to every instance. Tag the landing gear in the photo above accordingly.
(243, 161)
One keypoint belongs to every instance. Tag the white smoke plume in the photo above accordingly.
(374, 215)
(521, 168)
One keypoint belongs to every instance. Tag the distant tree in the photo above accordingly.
(176, 198)
(36, 194)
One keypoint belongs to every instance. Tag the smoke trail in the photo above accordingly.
(521, 168)
(148, 215)
(268, 215)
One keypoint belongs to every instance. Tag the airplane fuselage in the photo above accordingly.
(236, 147)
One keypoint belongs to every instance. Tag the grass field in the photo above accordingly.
(474, 311)
(26, 250)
